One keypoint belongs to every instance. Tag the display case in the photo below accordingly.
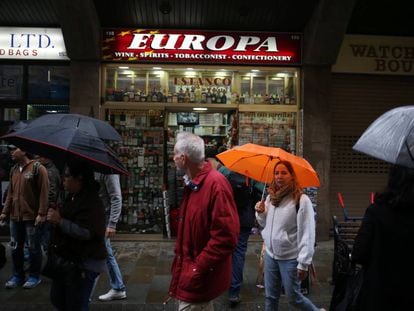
(206, 85)
(275, 129)
(142, 152)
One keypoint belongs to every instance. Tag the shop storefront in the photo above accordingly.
(34, 77)
(372, 74)
(227, 87)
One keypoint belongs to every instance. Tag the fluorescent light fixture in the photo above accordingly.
(190, 68)
(255, 70)
(200, 108)
(282, 75)
(156, 68)
(123, 67)
(277, 78)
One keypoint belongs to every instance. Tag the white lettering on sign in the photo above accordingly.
(199, 42)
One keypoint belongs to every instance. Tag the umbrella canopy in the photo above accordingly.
(258, 162)
(62, 144)
(390, 137)
(94, 127)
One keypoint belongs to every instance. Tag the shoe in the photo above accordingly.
(113, 294)
(31, 282)
(13, 282)
(234, 301)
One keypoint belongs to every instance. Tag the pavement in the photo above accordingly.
(145, 263)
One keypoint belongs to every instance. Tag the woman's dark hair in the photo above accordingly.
(399, 191)
(84, 171)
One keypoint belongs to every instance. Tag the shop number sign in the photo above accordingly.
(192, 46)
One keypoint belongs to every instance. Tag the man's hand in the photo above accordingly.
(110, 232)
(39, 220)
(53, 216)
(3, 217)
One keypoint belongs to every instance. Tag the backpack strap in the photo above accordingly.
(298, 205)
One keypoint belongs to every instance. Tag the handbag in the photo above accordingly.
(57, 267)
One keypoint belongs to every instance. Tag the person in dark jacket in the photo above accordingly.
(383, 243)
(246, 193)
(78, 236)
(207, 232)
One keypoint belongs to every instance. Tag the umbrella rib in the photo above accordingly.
(409, 151)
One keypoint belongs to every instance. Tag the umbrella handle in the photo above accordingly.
(263, 193)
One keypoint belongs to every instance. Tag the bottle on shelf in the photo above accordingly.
(229, 96)
(192, 95)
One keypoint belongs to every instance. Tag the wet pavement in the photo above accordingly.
(145, 263)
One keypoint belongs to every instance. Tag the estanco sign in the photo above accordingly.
(32, 43)
(191, 46)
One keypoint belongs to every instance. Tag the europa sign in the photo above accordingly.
(32, 43)
(206, 47)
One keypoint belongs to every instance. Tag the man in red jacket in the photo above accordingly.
(207, 232)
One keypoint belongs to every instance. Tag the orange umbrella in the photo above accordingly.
(258, 162)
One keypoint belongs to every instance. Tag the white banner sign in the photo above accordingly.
(376, 55)
(32, 43)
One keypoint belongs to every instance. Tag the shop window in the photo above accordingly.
(11, 81)
(37, 110)
(137, 83)
(48, 82)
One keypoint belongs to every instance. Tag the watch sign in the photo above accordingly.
(32, 43)
(192, 46)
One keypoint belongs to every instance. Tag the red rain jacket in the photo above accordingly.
(207, 235)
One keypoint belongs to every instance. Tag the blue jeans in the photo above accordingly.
(72, 291)
(115, 276)
(239, 255)
(278, 272)
(20, 232)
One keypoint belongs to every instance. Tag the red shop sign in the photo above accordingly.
(202, 47)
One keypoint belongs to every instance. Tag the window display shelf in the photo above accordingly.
(169, 106)
(189, 107)
(267, 108)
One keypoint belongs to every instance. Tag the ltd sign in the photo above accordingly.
(32, 43)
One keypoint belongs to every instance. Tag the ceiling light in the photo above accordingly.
(200, 109)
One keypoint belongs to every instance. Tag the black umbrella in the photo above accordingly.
(94, 127)
(62, 144)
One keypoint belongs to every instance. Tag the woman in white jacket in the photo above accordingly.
(289, 237)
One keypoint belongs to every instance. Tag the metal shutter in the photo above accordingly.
(357, 100)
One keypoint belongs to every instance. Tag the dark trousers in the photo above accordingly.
(72, 292)
(239, 255)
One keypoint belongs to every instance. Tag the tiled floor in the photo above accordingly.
(146, 269)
